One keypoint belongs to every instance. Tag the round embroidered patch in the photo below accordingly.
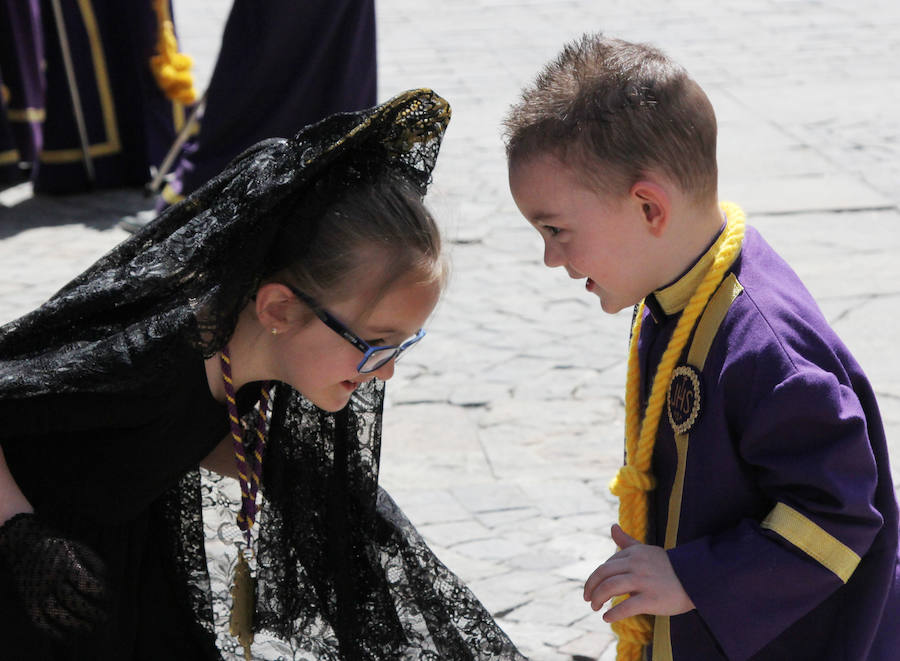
(684, 398)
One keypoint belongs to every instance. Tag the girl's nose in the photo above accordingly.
(386, 371)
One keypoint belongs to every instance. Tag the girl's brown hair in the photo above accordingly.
(377, 230)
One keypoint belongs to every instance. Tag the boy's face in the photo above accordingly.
(602, 239)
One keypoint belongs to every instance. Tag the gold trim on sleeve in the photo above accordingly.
(813, 540)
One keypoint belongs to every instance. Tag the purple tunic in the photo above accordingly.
(787, 531)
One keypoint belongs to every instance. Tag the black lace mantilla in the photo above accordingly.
(342, 573)
(194, 268)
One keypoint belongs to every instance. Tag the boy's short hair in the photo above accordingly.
(609, 107)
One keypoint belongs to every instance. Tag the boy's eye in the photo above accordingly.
(377, 342)
(552, 230)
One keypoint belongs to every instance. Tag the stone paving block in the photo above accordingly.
(435, 470)
(562, 610)
(562, 415)
(546, 527)
(609, 654)
(596, 547)
(457, 532)
(796, 194)
(429, 506)
(504, 593)
(581, 570)
(593, 621)
(479, 394)
(539, 640)
(499, 598)
(745, 154)
(540, 559)
(467, 567)
(562, 498)
(440, 436)
(428, 389)
(590, 645)
(527, 582)
(535, 454)
(598, 523)
(491, 497)
(496, 549)
(527, 516)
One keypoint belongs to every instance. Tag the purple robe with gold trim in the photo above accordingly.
(129, 121)
(283, 64)
(786, 537)
(21, 86)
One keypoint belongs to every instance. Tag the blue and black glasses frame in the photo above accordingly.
(374, 356)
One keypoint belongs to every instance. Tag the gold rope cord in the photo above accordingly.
(171, 69)
(634, 479)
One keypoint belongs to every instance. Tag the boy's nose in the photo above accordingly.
(553, 256)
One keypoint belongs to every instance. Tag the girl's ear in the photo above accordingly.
(655, 205)
(276, 307)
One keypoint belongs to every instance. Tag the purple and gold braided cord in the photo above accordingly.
(248, 458)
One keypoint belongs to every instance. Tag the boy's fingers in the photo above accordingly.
(611, 587)
(622, 539)
(634, 605)
(609, 568)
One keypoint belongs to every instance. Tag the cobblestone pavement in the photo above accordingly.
(504, 428)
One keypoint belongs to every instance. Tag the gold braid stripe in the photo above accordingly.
(634, 479)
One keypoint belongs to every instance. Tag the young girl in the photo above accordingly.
(278, 296)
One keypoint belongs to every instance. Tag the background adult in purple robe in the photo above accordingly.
(128, 119)
(21, 87)
(282, 65)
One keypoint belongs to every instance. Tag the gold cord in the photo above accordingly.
(634, 479)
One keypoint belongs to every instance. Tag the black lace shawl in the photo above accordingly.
(341, 572)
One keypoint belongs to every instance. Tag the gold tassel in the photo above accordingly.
(171, 68)
(243, 605)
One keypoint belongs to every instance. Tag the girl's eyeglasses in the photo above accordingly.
(375, 356)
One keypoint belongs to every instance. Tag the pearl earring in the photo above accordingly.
(274, 331)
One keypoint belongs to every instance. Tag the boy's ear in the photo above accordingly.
(654, 203)
(276, 306)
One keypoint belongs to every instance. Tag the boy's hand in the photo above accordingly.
(642, 571)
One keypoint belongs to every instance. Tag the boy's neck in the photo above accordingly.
(694, 229)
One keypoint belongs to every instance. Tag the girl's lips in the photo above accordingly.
(589, 285)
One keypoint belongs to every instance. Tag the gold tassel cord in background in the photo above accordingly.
(634, 479)
(171, 69)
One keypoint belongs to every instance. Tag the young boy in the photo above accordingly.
(758, 511)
